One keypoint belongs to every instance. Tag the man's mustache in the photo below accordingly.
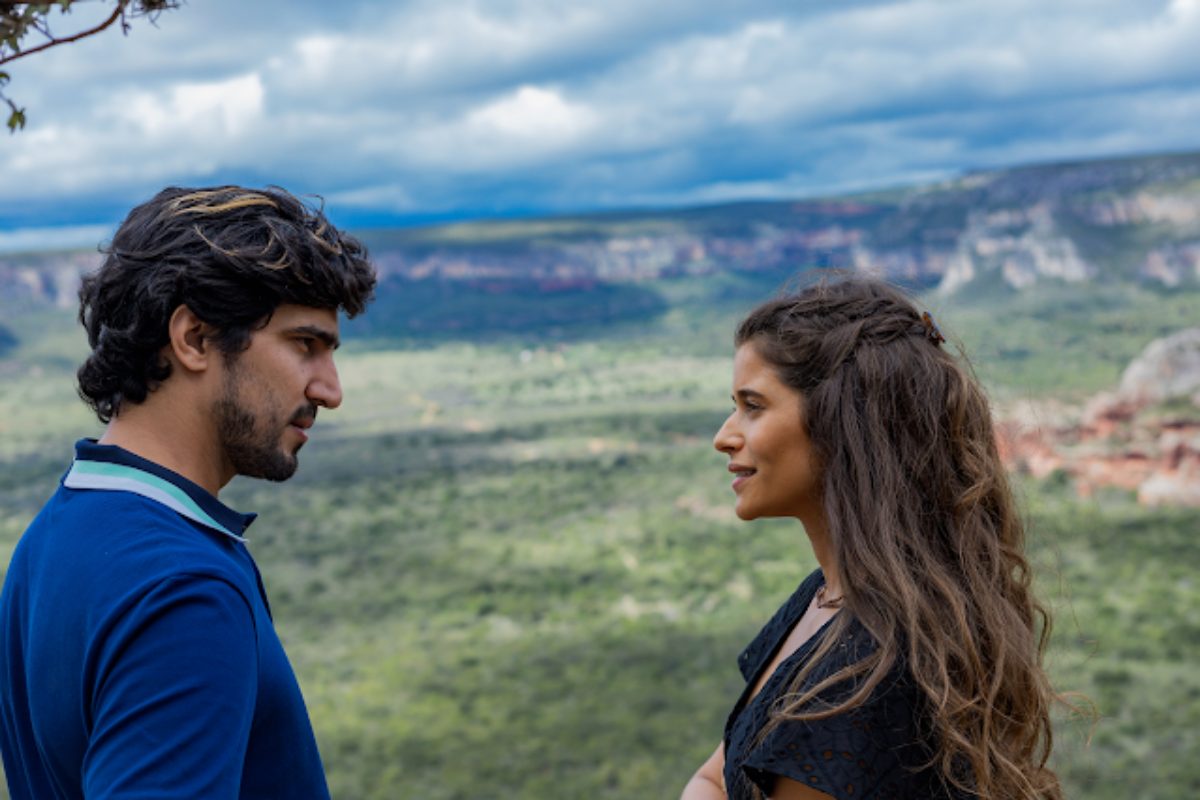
(305, 416)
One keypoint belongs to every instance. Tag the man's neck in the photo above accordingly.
(171, 442)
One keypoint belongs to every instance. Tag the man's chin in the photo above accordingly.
(275, 467)
(279, 477)
(283, 469)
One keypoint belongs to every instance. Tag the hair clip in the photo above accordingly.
(932, 332)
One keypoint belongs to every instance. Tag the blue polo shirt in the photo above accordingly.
(137, 654)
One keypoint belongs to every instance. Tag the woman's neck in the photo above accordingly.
(822, 546)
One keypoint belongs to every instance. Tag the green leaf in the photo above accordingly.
(16, 120)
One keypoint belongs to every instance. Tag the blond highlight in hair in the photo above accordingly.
(230, 254)
(217, 201)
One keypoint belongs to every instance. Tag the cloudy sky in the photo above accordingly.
(400, 112)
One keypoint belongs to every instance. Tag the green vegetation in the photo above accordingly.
(511, 567)
(736, 219)
(1060, 340)
(438, 309)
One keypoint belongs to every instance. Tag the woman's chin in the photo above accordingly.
(745, 513)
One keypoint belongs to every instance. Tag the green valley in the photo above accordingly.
(510, 567)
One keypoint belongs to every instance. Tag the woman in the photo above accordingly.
(909, 664)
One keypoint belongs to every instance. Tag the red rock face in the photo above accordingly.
(1157, 458)
(1144, 437)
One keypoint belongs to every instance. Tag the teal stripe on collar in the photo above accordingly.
(118, 477)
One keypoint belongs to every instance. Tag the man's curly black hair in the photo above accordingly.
(232, 255)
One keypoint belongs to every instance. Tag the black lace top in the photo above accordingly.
(873, 751)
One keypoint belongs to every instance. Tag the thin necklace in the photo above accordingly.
(828, 602)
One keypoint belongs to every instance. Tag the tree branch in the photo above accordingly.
(118, 12)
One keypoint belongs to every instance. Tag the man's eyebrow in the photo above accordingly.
(331, 340)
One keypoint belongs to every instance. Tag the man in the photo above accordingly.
(137, 652)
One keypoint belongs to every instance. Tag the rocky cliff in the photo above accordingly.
(1144, 436)
(1123, 220)
(43, 279)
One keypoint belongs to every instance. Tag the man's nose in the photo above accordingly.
(325, 389)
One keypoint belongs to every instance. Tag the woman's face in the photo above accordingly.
(770, 456)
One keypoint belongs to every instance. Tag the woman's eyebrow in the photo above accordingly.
(747, 394)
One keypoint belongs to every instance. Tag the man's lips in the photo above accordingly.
(301, 424)
(305, 416)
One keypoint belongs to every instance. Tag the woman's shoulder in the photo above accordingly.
(878, 747)
(874, 749)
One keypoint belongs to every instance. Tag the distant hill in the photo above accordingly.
(1116, 221)
(1131, 219)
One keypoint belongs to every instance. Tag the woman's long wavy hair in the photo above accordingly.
(929, 543)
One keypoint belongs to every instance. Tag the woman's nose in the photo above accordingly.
(725, 440)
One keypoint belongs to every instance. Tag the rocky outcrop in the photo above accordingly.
(1168, 369)
(45, 279)
(1142, 437)
(1178, 209)
(1023, 245)
(1172, 265)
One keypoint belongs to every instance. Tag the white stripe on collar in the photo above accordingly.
(107, 476)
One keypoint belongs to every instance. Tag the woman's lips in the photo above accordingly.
(741, 474)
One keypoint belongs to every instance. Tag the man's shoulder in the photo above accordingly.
(98, 539)
(87, 514)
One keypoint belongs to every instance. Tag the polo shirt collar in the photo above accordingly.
(112, 468)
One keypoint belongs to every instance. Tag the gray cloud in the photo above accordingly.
(459, 107)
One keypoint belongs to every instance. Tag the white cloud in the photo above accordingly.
(540, 117)
(137, 137)
(525, 126)
(533, 103)
(62, 237)
(387, 197)
(908, 57)
(223, 109)
(423, 49)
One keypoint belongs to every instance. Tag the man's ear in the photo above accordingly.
(190, 343)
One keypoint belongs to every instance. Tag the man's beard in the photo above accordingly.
(252, 444)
